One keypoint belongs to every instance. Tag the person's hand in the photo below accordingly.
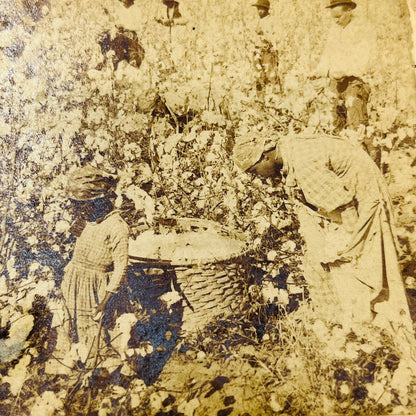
(99, 312)
(349, 217)
(338, 74)
(318, 80)
(137, 229)
(315, 76)
(334, 262)
(164, 22)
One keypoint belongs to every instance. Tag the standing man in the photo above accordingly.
(178, 34)
(348, 60)
(265, 55)
(127, 48)
(173, 15)
(120, 41)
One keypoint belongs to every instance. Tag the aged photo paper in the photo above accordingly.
(207, 207)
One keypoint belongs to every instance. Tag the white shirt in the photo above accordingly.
(349, 51)
(266, 30)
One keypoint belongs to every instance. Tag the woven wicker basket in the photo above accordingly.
(211, 287)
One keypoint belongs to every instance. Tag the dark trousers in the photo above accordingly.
(351, 105)
(266, 63)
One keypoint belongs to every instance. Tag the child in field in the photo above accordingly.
(99, 263)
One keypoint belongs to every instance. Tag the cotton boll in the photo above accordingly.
(26, 302)
(269, 292)
(276, 403)
(3, 285)
(21, 328)
(146, 348)
(272, 255)
(44, 287)
(46, 404)
(120, 335)
(62, 226)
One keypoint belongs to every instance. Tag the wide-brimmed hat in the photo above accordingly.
(334, 3)
(166, 2)
(88, 183)
(262, 3)
(249, 149)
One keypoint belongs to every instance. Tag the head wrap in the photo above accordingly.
(249, 149)
(88, 183)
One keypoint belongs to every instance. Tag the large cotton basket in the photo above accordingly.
(209, 265)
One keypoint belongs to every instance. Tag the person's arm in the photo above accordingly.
(119, 243)
(99, 310)
(323, 188)
(367, 57)
(322, 68)
(164, 21)
(349, 216)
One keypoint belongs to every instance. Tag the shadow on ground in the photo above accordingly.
(146, 285)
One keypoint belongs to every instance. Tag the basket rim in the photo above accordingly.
(192, 262)
(191, 222)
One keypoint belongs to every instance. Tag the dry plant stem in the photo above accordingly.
(173, 115)
(98, 344)
(17, 400)
(88, 405)
(64, 365)
(10, 244)
(76, 386)
(276, 373)
(183, 190)
(79, 381)
(6, 214)
(210, 84)
(318, 93)
(274, 117)
(165, 194)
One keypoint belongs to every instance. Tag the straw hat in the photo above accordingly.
(334, 3)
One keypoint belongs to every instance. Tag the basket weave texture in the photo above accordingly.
(211, 288)
(210, 292)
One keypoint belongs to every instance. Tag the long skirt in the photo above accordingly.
(83, 289)
(355, 279)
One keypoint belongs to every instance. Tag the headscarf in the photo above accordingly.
(88, 183)
(249, 149)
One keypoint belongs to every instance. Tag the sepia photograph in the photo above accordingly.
(208, 207)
